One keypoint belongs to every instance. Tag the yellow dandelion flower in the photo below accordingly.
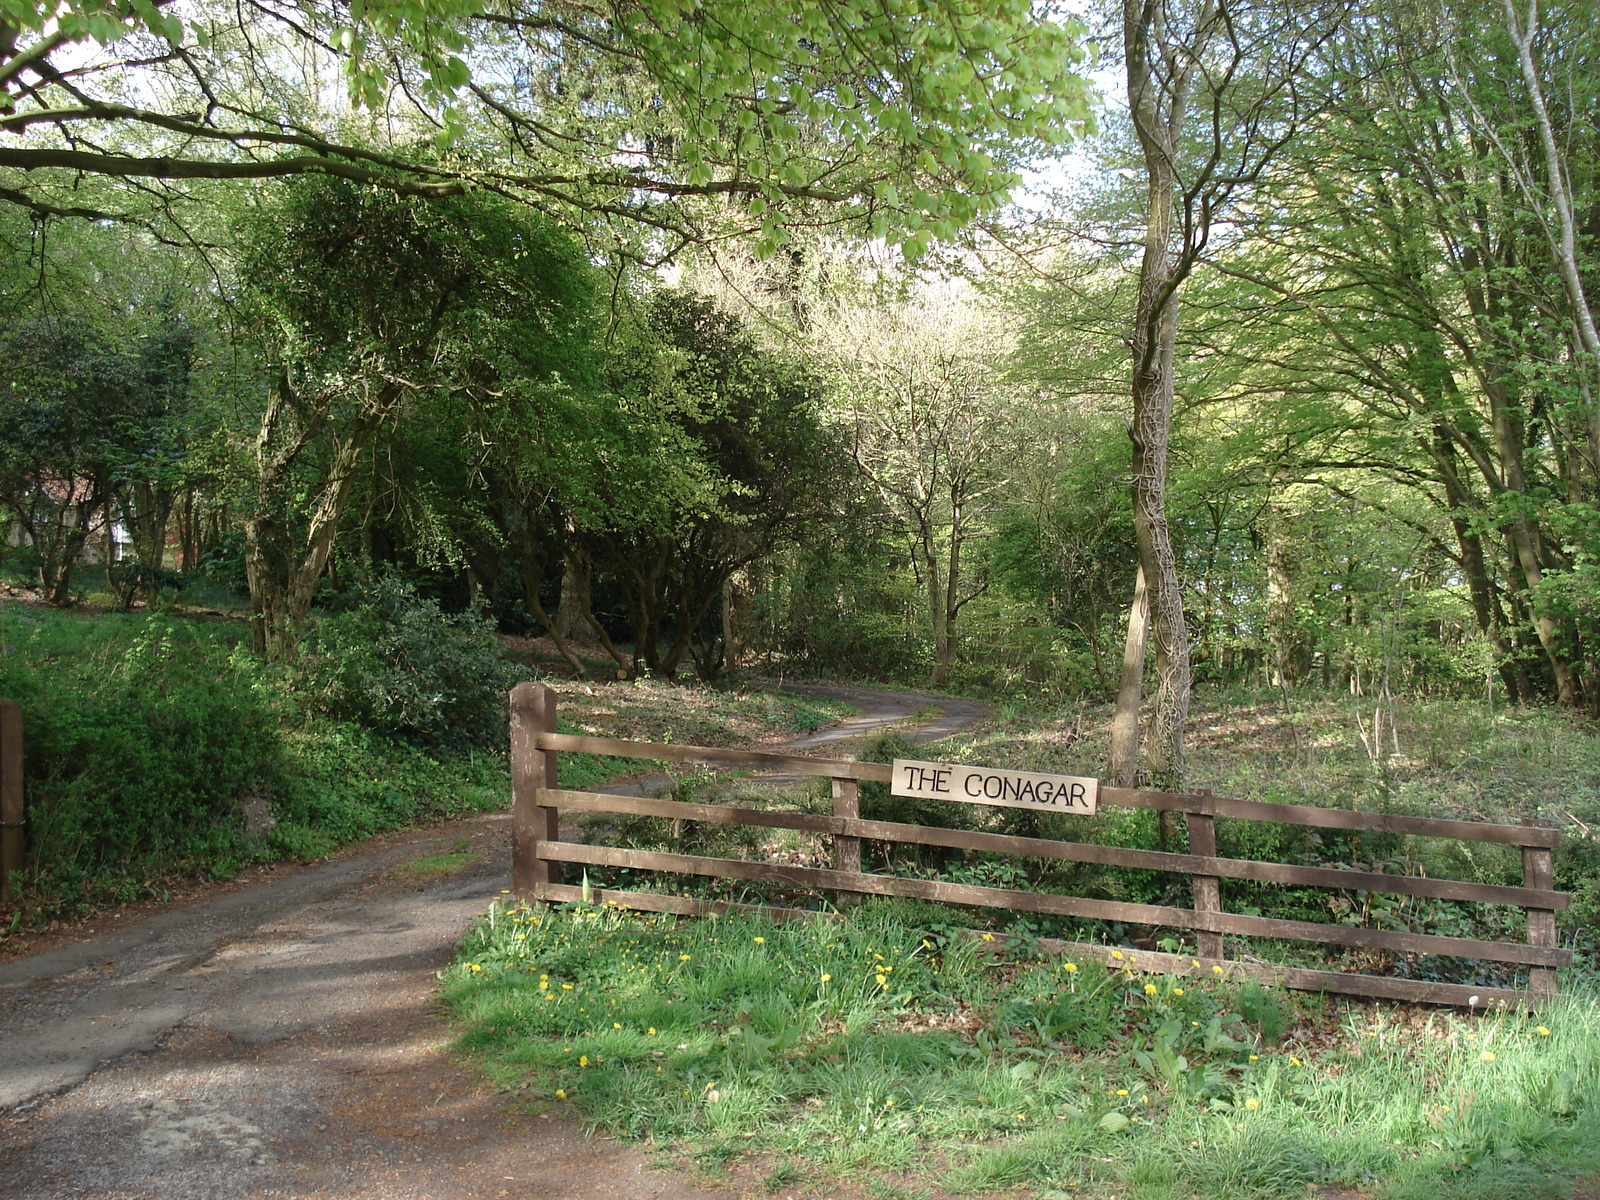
(683, 958)
(1216, 969)
(1196, 963)
(1293, 1061)
(882, 980)
(988, 937)
(583, 1060)
(543, 983)
(759, 941)
(566, 987)
(1177, 991)
(1116, 954)
(1255, 1058)
(1487, 1056)
(615, 1025)
(1070, 967)
(561, 1094)
(1149, 989)
(652, 1030)
(1252, 1104)
(1542, 1031)
(826, 977)
(1122, 1091)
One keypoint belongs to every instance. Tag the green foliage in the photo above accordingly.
(844, 605)
(142, 741)
(394, 332)
(90, 422)
(716, 457)
(392, 661)
(912, 119)
(348, 783)
(862, 1044)
(150, 739)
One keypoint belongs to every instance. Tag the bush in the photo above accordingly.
(138, 754)
(394, 662)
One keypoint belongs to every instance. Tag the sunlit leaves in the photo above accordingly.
(633, 110)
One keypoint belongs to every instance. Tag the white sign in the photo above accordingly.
(1070, 794)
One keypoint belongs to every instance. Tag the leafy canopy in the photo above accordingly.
(910, 116)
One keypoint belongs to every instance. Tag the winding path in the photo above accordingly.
(282, 1040)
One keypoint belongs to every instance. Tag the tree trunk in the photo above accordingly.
(532, 580)
(283, 569)
(937, 613)
(576, 571)
(1280, 592)
(1122, 766)
(945, 649)
(1159, 77)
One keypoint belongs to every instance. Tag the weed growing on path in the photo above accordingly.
(820, 1047)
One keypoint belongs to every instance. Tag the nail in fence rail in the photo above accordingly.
(538, 851)
(13, 822)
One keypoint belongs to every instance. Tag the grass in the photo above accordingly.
(437, 866)
(831, 1051)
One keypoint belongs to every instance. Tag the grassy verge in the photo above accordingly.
(818, 1055)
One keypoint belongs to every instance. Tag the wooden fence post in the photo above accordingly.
(13, 829)
(533, 711)
(1538, 871)
(846, 850)
(1207, 889)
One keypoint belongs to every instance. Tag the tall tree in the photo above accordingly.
(364, 304)
(1237, 62)
(749, 470)
(936, 429)
(1409, 259)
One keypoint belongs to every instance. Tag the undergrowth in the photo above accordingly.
(157, 748)
(814, 1050)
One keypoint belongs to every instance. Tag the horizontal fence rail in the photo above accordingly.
(539, 851)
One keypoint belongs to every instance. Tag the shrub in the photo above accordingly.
(137, 757)
(394, 662)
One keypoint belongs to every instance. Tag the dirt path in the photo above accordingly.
(282, 1040)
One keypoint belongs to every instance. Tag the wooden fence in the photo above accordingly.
(539, 851)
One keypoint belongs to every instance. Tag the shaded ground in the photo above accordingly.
(279, 1039)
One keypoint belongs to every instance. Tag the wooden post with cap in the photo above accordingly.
(1538, 871)
(1206, 889)
(533, 711)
